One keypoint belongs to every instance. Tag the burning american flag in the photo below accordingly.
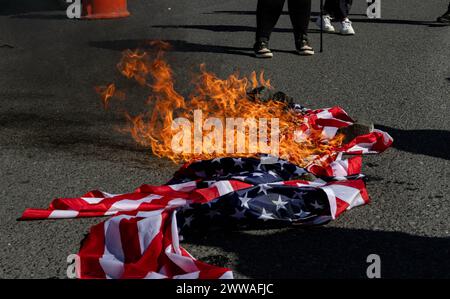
(309, 182)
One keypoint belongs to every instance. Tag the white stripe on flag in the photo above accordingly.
(329, 132)
(331, 200)
(363, 147)
(348, 194)
(92, 200)
(130, 205)
(193, 275)
(176, 202)
(113, 256)
(182, 186)
(154, 275)
(340, 168)
(58, 214)
(224, 187)
(325, 114)
(148, 228)
(184, 262)
(227, 275)
(174, 232)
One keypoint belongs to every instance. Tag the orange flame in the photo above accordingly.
(215, 97)
(108, 92)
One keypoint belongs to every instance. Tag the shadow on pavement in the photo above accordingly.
(179, 46)
(433, 143)
(355, 20)
(328, 253)
(82, 136)
(41, 17)
(253, 12)
(17, 7)
(400, 22)
(227, 28)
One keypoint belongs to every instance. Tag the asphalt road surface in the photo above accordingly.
(56, 141)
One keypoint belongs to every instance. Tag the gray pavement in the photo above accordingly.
(55, 140)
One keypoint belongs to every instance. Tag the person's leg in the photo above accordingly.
(341, 15)
(342, 9)
(325, 23)
(267, 14)
(300, 12)
(329, 7)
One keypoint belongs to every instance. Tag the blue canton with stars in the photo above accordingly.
(268, 200)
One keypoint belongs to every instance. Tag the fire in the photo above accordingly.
(109, 92)
(221, 99)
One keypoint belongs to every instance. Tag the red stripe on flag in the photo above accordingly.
(35, 214)
(129, 237)
(92, 249)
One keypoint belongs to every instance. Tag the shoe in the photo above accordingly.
(303, 47)
(326, 23)
(345, 27)
(445, 18)
(262, 50)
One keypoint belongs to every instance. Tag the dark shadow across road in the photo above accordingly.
(328, 253)
(435, 143)
(177, 46)
(18, 7)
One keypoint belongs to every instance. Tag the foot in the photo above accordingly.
(445, 18)
(345, 27)
(326, 23)
(262, 50)
(303, 47)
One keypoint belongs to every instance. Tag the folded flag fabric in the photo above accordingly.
(141, 239)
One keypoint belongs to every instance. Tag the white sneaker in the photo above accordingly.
(326, 23)
(345, 27)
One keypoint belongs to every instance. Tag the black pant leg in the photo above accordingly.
(330, 7)
(347, 5)
(343, 9)
(338, 9)
(299, 12)
(267, 14)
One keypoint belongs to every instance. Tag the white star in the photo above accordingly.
(244, 201)
(298, 194)
(302, 214)
(238, 162)
(280, 203)
(258, 167)
(263, 188)
(241, 178)
(257, 174)
(216, 160)
(188, 220)
(316, 205)
(219, 172)
(265, 216)
(212, 213)
(273, 174)
(239, 214)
